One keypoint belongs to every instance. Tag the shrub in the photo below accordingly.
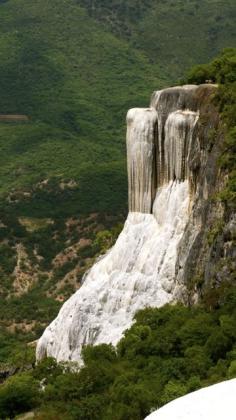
(18, 394)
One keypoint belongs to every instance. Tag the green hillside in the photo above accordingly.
(167, 353)
(74, 67)
(176, 34)
(75, 82)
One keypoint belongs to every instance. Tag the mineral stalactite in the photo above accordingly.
(141, 131)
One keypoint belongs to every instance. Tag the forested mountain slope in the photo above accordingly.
(176, 34)
(75, 76)
(75, 82)
(73, 68)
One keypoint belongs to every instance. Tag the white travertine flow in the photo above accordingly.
(142, 138)
(141, 130)
(165, 102)
(216, 402)
(140, 270)
(179, 130)
(137, 272)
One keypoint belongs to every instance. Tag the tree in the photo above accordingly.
(18, 394)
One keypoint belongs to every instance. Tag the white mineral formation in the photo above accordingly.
(179, 131)
(140, 270)
(141, 128)
(216, 402)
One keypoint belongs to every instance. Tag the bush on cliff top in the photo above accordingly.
(222, 70)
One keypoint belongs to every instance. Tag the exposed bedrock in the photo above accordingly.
(167, 158)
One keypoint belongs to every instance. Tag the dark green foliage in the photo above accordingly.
(35, 308)
(167, 353)
(17, 395)
(173, 390)
(222, 70)
(14, 353)
(49, 369)
(177, 34)
(76, 106)
(74, 67)
(102, 352)
(33, 305)
(7, 259)
(75, 82)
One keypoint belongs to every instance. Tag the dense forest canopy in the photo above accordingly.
(167, 353)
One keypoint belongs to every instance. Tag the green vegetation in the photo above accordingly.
(48, 241)
(14, 354)
(31, 310)
(176, 34)
(222, 70)
(18, 395)
(7, 259)
(75, 82)
(31, 306)
(74, 70)
(166, 353)
(75, 67)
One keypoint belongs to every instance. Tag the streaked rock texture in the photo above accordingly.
(141, 133)
(145, 266)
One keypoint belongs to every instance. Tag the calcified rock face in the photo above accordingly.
(140, 270)
(159, 144)
(179, 140)
(141, 133)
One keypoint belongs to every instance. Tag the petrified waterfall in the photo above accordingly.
(141, 129)
(140, 270)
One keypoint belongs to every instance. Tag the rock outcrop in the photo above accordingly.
(168, 155)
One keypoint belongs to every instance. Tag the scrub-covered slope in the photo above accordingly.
(75, 76)
(175, 34)
(74, 81)
(65, 159)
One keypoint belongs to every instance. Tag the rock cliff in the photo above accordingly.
(172, 152)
